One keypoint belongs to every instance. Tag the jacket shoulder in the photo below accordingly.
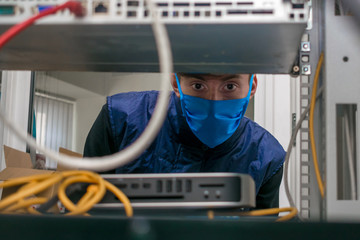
(269, 149)
(123, 100)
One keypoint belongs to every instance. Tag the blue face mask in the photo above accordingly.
(213, 121)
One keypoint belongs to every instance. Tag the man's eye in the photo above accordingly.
(197, 86)
(230, 86)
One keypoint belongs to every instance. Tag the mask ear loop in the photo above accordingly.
(181, 96)
(250, 86)
(179, 87)
(249, 93)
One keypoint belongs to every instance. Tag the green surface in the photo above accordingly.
(64, 227)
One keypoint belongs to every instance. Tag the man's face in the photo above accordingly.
(215, 87)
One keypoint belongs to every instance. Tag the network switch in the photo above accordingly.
(228, 36)
(173, 11)
(184, 190)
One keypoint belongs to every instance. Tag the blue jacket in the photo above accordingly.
(250, 150)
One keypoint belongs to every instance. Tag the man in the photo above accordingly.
(204, 131)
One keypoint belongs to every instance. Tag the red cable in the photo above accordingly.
(74, 6)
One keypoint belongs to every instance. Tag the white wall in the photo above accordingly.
(126, 82)
(89, 90)
(86, 110)
(274, 106)
(15, 92)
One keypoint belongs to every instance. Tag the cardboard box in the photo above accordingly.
(18, 164)
(69, 153)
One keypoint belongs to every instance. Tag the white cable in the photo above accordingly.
(350, 158)
(145, 139)
(287, 157)
(288, 152)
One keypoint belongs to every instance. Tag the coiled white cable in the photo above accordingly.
(142, 143)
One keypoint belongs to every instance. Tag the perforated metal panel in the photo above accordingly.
(342, 73)
(310, 204)
(206, 36)
(170, 11)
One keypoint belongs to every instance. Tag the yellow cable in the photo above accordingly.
(22, 180)
(293, 211)
(26, 203)
(210, 214)
(122, 197)
(61, 191)
(91, 190)
(263, 212)
(89, 199)
(27, 186)
(311, 125)
(31, 210)
(68, 204)
(78, 172)
(76, 209)
(30, 191)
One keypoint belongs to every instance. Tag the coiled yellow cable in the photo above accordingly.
(24, 198)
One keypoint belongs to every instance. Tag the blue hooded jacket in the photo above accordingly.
(251, 149)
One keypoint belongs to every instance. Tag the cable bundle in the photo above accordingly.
(24, 199)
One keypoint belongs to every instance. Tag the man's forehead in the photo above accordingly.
(205, 76)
